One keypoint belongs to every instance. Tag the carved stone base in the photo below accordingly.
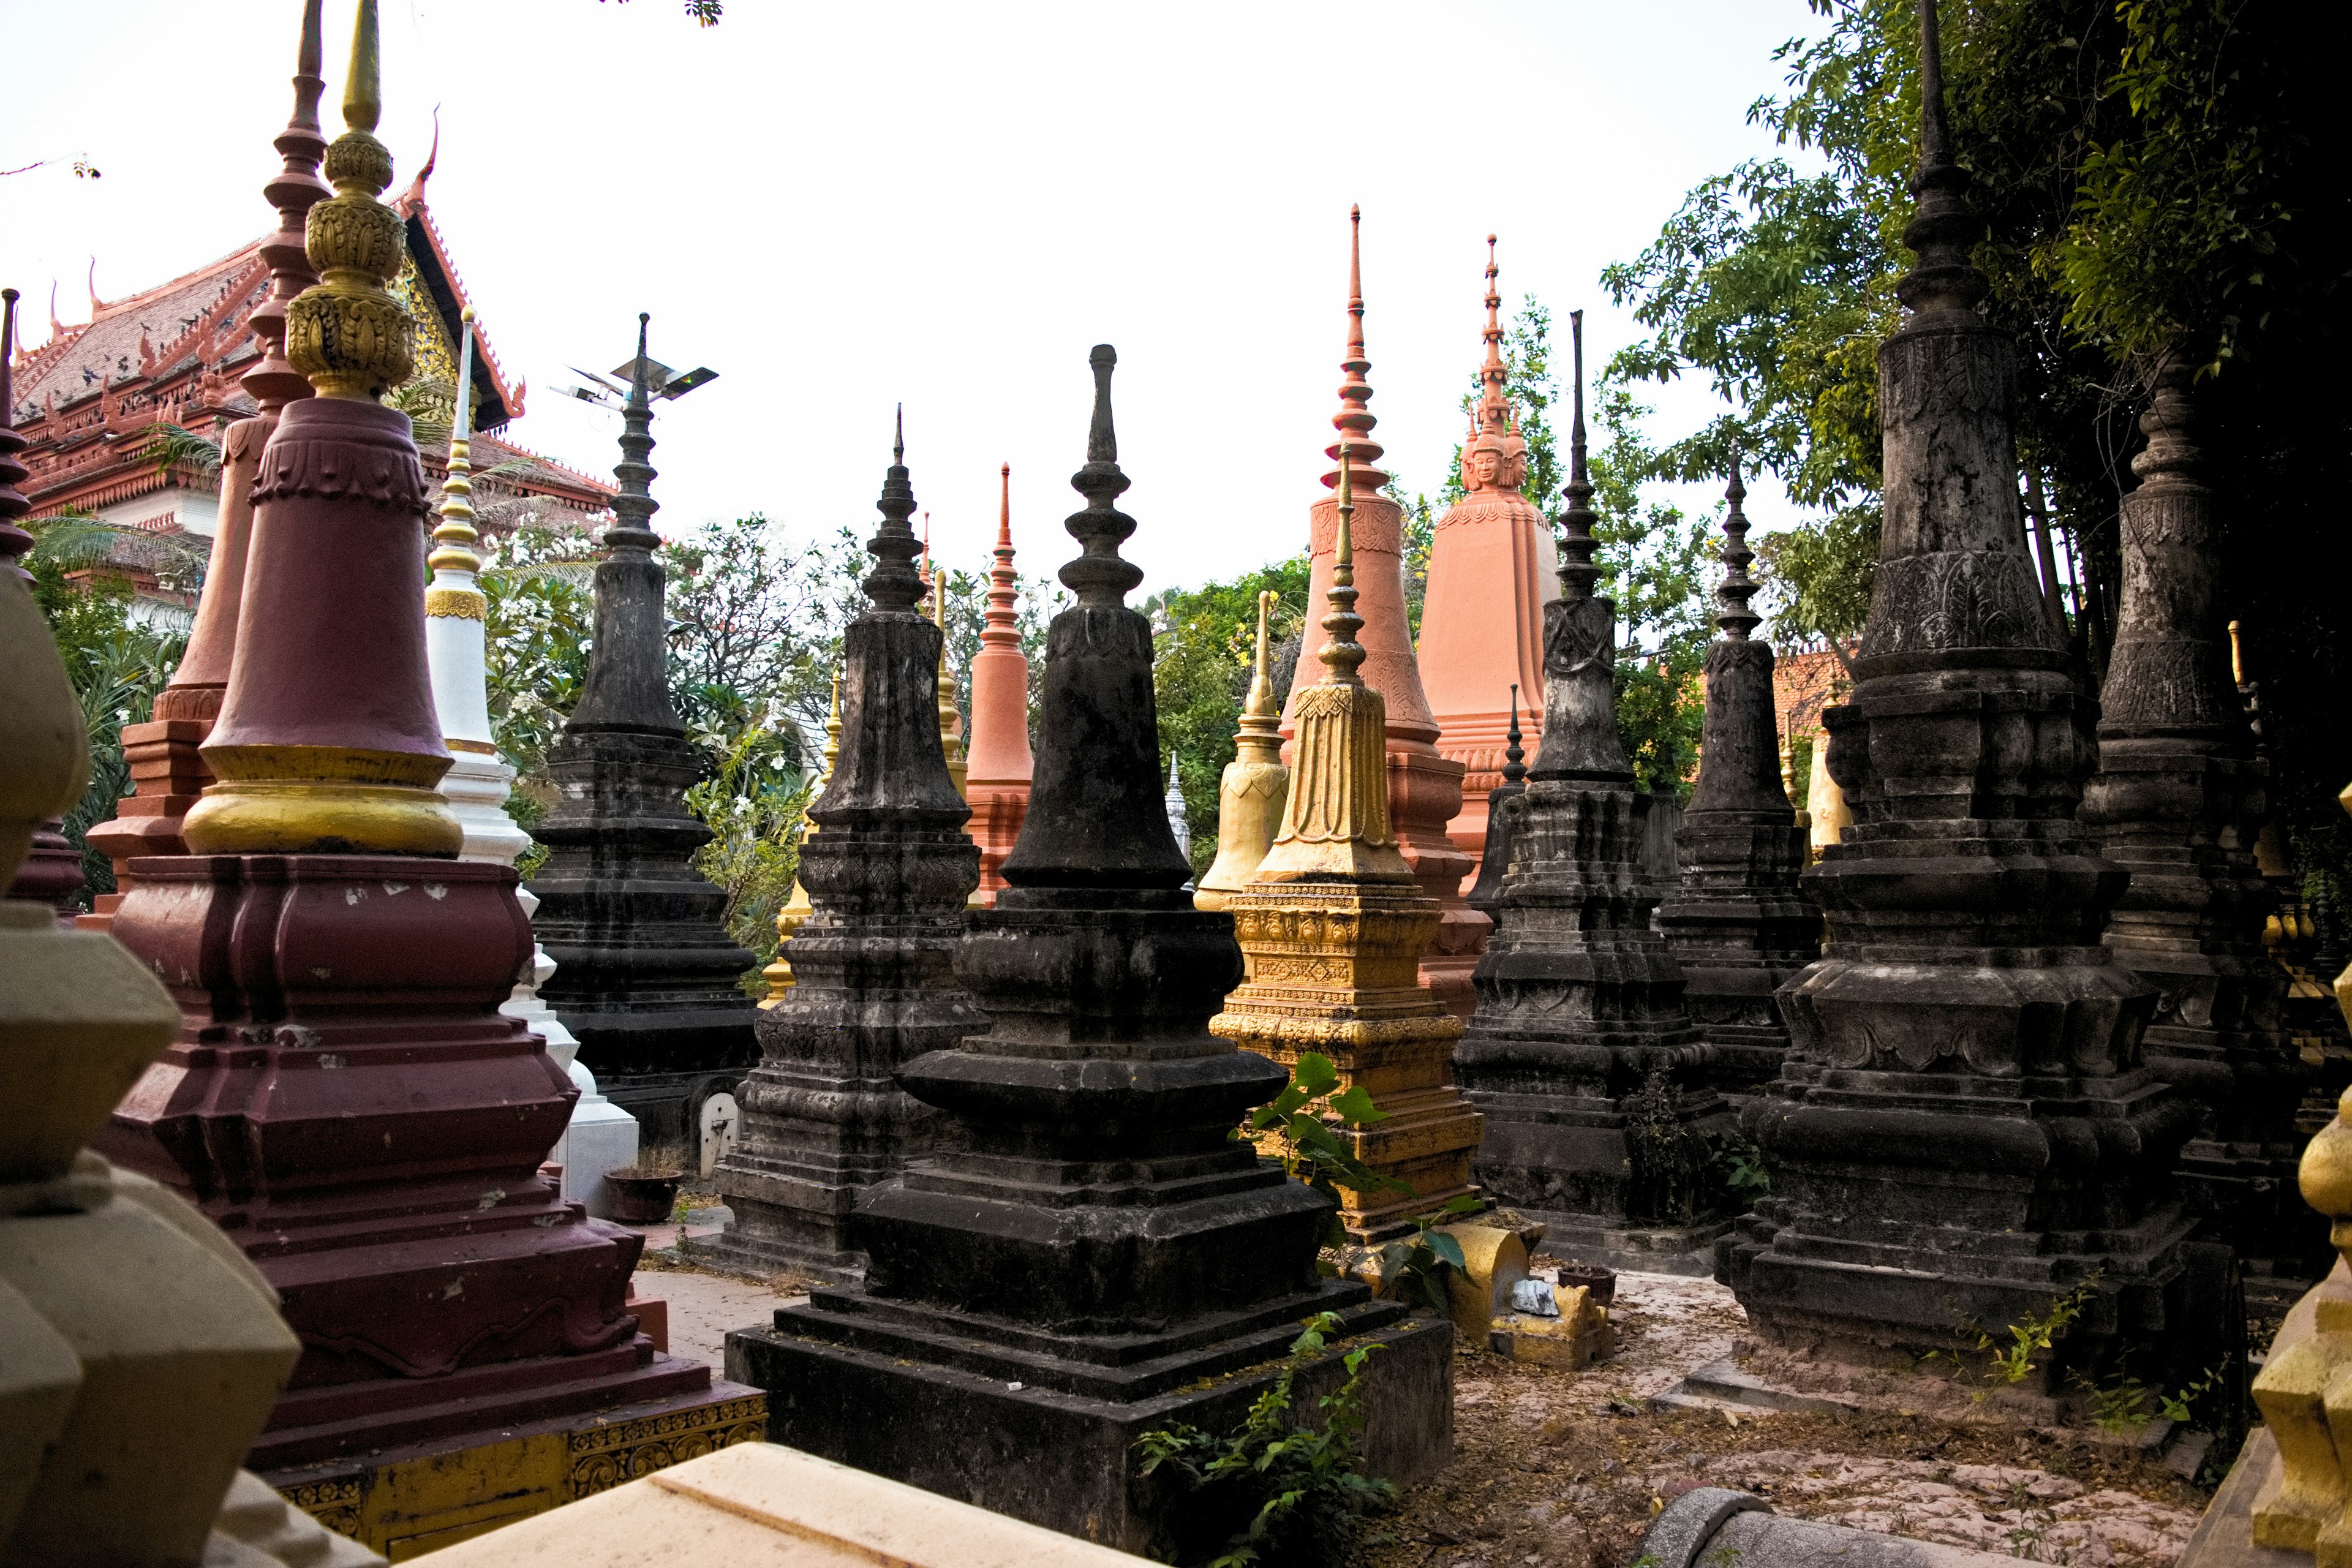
(417, 1497)
(1045, 1431)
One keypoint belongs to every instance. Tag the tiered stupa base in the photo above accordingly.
(1042, 1427)
(347, 1103)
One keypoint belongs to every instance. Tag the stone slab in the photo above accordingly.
(2225, 1536)
(1064, 1460)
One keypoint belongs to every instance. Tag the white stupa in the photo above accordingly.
(602, 1136)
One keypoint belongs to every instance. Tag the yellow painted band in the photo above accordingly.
(247, 818)
(455, 605)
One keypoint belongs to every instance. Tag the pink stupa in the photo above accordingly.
(997, 782)
(1424, 787)
(1491, 571)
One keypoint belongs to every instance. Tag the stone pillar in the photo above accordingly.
(1251, 791)
(825, 1119)
(2178, 800)
(1098, 1251)
(645, 975)
(140, 1351)
(344, 1097)
(1592, 1075)
(1330, 926)
(1492, 570)
(599, 1136)
(1424, 787)
(167, 769)
(1737, 921)
(996, 784)
(1964, 1129)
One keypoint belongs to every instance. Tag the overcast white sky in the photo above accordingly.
(841, 206)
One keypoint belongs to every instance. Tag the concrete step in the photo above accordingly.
(1722, 1383)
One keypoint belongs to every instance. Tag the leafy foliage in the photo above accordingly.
(753, 802)
(1276, 1492)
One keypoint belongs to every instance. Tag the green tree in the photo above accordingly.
(1655, 563)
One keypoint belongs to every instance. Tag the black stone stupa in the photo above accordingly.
(2178, 802)
(1965, 1131)
(1581, 1057)
(1738, 923)
(824, 1117)
(1099, 1252)
(645, 975)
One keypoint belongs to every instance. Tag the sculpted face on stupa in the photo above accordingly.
(1496, 460)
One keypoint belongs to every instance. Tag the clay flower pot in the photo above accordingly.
(1601, 1282)
(643, 1194)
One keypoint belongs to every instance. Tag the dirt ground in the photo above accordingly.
(1566, 1471)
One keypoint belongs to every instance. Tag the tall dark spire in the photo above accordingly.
(1577, 571)
(13, 540)
(1098, 576)
(1944, 227)
(894, 585)
(635, 505)
(1732, 616)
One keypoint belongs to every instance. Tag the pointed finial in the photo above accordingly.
(95, 304)
(364, 90)
(1577, 571)
(56, 328)
(348, 333)
(294, 190)
(894, 584)
(1004, 507)
(1100, 576)
(7, 359)
(1355, 420)
(1945, 228)
(1514, 755)
(1494, 405)
(1733, 616)
(310, 62)
(1260, 703)
(1343, 655)
(2237, 656)
(456, 536)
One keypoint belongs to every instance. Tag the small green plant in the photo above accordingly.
(2013, 1363)
(1740, 1166)
(1414, 1266)
(1298, 1122)
(1276, 1492)
(2121, 1406)
(2179, 1405)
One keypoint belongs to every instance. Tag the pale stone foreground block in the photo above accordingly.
(757, 1505)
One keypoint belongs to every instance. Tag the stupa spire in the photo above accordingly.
(1577, 571)
(1249, 792)
(1732, 616)
(13, 540)
(998, 764)
(1494, 400)
(1962, 752)
(168, 772)
(1425, 789)
(1355, 420)
(1335, 886)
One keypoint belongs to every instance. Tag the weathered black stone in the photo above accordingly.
(1737, 921)
(646, 973)
(2178, 802)
(1964, 1129)
(887, 872)
(1590, 1074)
(1096, 1239)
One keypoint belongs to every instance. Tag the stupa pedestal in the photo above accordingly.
(1493, 567)
(2177, 802)
(1965, 1128)
(887, 875)
(1592, 1075)
(1424, 787)
(1103, 1251)
(645, 975)
(996, 784)
(1738, 923)
(1330, 926)
(345, 1098)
